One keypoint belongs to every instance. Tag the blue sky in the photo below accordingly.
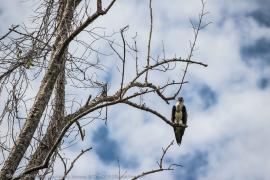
(227, 102)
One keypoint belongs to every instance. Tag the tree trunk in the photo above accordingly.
(55, 126)
(42, 98)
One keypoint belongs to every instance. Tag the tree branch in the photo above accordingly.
(149, 39)
(143, 107)
(196, 33)
(10, 30)
(74, 161)
(160, 165)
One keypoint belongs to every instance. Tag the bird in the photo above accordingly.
(179, 119)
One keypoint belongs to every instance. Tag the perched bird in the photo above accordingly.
(179, 119)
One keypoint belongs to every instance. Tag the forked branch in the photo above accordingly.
(160, 164)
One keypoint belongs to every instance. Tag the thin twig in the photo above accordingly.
(160, 168)
(80, 129)
(123, 60)
(10, 30)
(149, 39)
(196, 33)
(74, 161)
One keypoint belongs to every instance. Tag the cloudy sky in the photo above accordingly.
(228, 102)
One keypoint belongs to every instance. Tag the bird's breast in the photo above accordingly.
(178, 117)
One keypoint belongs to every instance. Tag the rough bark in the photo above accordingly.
(56, 124)
(54, 129)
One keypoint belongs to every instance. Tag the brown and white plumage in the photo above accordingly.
(179, 119)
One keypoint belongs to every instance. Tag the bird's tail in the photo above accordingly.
(178, 134)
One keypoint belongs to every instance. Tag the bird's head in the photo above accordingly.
(181, 99)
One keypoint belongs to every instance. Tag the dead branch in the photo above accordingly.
(160, 164)
(10, 30)
(149, 39)
(82, 133)
(196, 29)
(74, 161)
(143, 107)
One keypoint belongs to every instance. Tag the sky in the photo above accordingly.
(228, 102)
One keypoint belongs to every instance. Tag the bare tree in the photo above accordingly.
(34, 126)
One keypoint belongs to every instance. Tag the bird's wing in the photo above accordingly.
(173, 113)
(184, 115)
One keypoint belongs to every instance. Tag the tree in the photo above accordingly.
(45, 53)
